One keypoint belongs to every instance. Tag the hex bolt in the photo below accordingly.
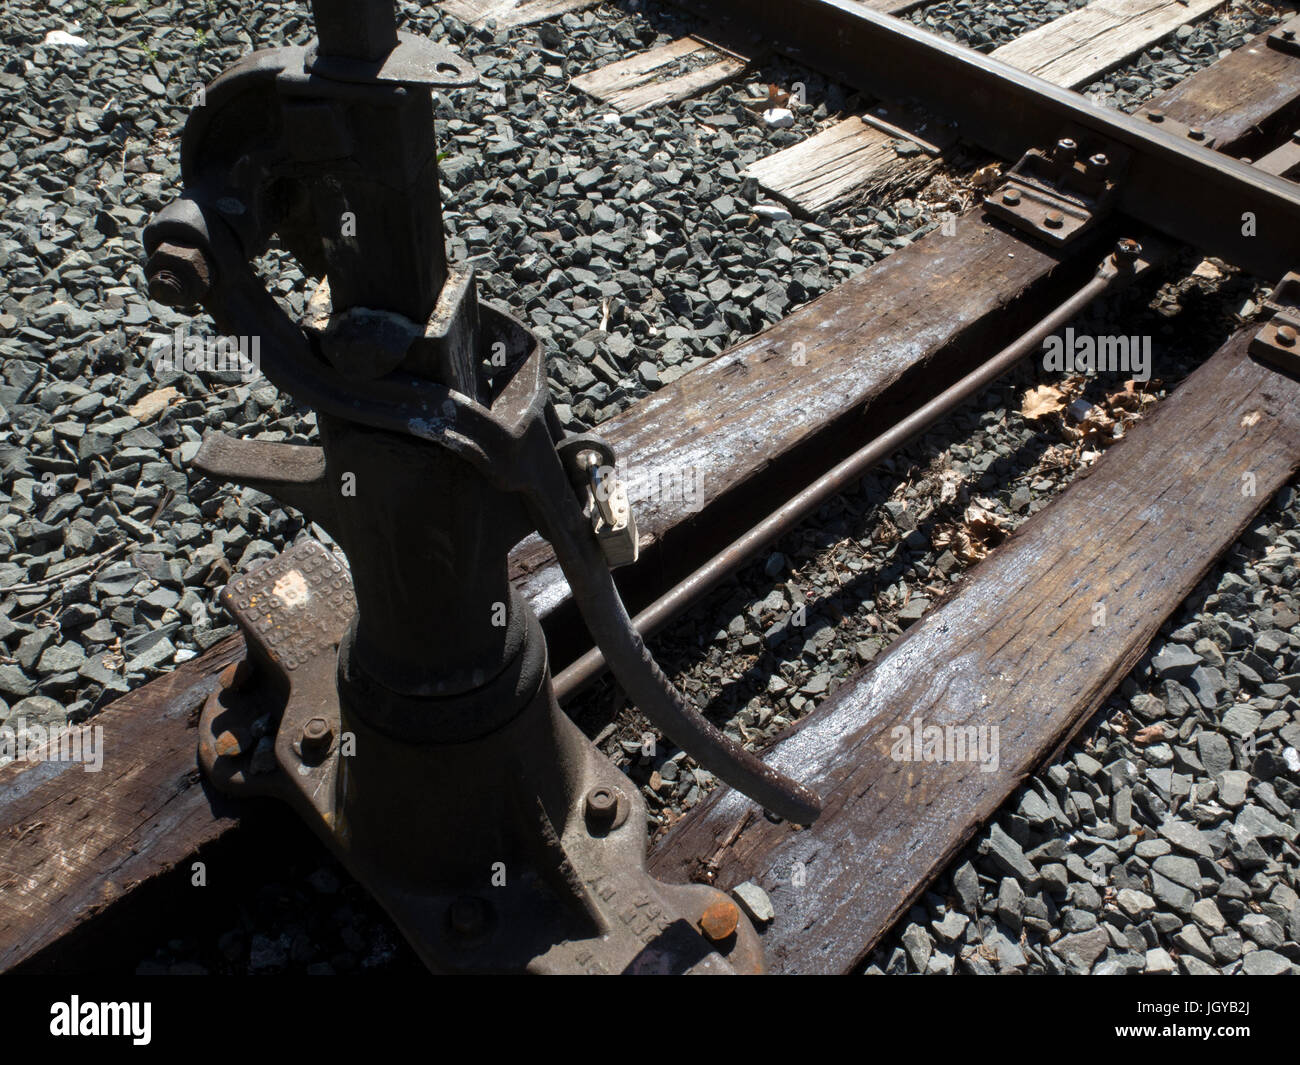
(177, 275)
(468, 915)
(1286, 336)
(315, 739)
(1196, 133)
(1054, 220)
(720, 920)
(1065, 146)
(1099, 161)
(1126, 252)
(601, 805)
(1155, 115)
(1011, 197)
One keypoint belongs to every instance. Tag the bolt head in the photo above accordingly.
(601, 806)
(720, 920)
(1286, 336)
(1099, 160)
(1011, 196)
(178, 276)
(1289, 34)
(1155, 115)
(1196, 133)
(1066, 145)
(316, 739)
(1054, 220)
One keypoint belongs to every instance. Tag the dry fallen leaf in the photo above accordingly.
(1150, 734)
(1041, 401)
(986, 176)
(150, 406)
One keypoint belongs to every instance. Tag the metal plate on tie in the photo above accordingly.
(1277, 343)
(1286, 37)
(1058, 193)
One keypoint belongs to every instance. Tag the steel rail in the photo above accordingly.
(842, 475)
(1198, 196)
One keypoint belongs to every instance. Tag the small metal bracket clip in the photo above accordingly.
(1286, 37)
(1058, 194)
(590, 465)
(1278, 341)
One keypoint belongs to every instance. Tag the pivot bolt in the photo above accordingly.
(1286, 336)
(1127, 251)
(468, 916)
(602, 806)
(178, 276)
(1011, 197)
(316, 739)
(1054, 220)
(720, 920)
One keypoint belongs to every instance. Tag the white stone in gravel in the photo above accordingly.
(1135, 903)
(1292, 759)
(63, 39)
(773, 212)
(1207, 914)
(1233, 787)
(1158, 962)
(754, 901)
(779, 117)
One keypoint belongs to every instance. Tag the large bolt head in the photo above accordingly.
(178, 276)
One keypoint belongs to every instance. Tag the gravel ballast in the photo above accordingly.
(636, 251)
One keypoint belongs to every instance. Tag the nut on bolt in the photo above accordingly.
(1126, 252)
(178, 275)
(601, 806)
(316, 739)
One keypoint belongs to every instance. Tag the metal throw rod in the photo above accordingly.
(1122, 265)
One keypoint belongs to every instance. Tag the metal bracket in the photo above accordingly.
(1059, 194)
(1284, 160)
(590, 464)
(1157, 117)
(1278, 341)
(1286, 37)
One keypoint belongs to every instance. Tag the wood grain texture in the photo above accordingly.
(1015, 648)
(847, 160)
(74, 842)
(649, 79)
(508, 13)
(1081, 46)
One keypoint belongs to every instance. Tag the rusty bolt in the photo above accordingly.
(720, 920)
(178, 276)
(1011, 197)
(468, 915)
(1127, 251)
(1286, 336)
(1155, 115)
(602, 806)
(1054, 220)
(316, 739)
(235, 675)
(1196, 133)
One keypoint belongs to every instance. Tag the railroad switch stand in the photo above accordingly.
(401, 700)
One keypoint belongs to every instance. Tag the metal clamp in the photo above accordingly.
(1278, 341)
(1058, 194)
